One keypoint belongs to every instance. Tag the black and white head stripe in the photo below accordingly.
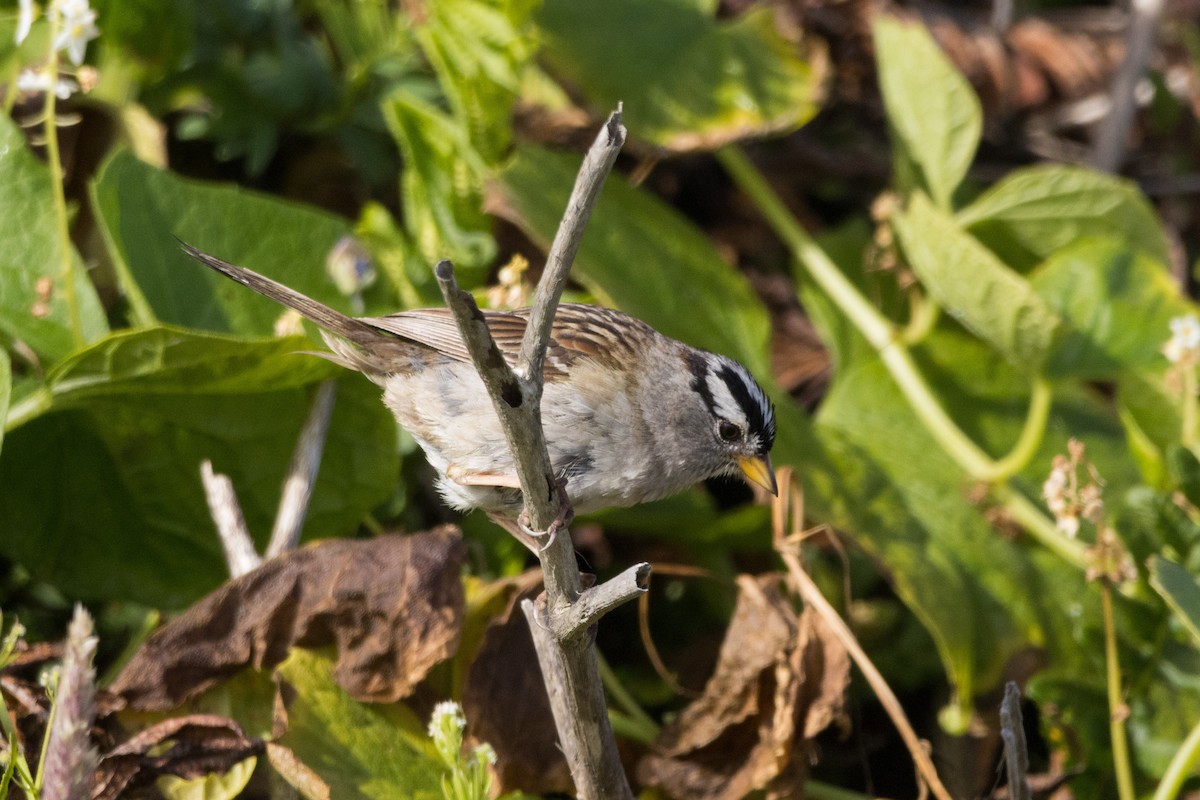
(733, 394)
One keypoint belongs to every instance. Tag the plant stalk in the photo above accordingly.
(1116, 706)
(61, 221)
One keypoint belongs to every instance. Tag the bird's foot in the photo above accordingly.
(566, 514)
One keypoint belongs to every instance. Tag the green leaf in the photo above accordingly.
(1099, 286)
(33, 300)
(373, 751)
(965, 278)
(933, 114)
(641, 256)
(1181, 591)
(1035, 212)
(688, 81)
(99, 480)
(982, 596)
(223, 786)
(1152, 418)
(142, 210)
(441, 185)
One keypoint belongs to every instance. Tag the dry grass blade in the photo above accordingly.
(790, 506)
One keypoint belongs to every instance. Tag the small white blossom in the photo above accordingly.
(76, 27)
(446, 713)
(34, 81)
(1184, 344)
(24, 20)
(484, 753)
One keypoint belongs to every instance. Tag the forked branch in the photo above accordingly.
(564, 613)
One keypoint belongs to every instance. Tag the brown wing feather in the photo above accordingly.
(579, 331)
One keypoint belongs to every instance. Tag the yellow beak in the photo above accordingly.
(760, 471)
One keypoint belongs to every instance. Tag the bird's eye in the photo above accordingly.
(728, 431)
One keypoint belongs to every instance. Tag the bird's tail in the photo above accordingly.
(357, 331)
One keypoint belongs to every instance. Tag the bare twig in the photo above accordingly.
(302, 474)
(564, 613)
(595, 603)
(240, 555)
(789, 550)
(596, 165)
(1111, 138)
(1012, 733)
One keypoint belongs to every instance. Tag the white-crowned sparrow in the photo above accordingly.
(629, 414)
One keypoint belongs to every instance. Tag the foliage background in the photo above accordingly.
(1031, 298)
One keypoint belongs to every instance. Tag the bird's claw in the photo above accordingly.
(566, 514)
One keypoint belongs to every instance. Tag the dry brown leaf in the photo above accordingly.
(196, 745)
(504, 701)
(392, 605)
(780, 679)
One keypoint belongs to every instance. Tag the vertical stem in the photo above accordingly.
(1181, 765)
(1116, 705)
(62, 224)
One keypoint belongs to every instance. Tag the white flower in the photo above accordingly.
(24, 20)
(484, 753)
(446, 714)
(34, 81)
(76, 27)
(1184, 344)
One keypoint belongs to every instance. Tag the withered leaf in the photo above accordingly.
(392, 605)
(200, 744)
(780, 679)
(505, 703)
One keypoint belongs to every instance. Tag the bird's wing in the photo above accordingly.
(579, 331)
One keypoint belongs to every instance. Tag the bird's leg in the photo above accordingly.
(566, 513)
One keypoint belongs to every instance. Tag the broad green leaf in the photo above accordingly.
(144, 211)
(34, 305)
(933, 114)
(1181, 591)
(688, 81)
(641, 256)
(370, 751)
(1035, 212)
(441, 185)
(966, 279)
(1165, 706)
(1100, 286)
(969, 585)
(99, 481)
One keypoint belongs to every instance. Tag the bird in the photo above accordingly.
(629, 414)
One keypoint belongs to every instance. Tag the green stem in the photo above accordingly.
(1031, 433)
(1181, 766)
(1039, 526)
(882, 334)
(62, 222)
(877, 329)
(1116, 713)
